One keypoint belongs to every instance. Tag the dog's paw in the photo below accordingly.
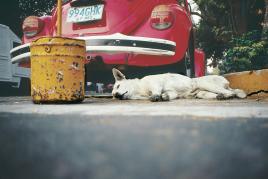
(221, 97)
(225, 97)
(165, 97)
(155, 98)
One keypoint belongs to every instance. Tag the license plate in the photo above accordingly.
(84, 14)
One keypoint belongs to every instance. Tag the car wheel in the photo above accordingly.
(189, 59)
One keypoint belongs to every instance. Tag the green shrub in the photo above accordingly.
(247, 52)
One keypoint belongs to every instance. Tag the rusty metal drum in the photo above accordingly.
(57, 70)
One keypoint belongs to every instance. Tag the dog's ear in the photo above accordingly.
(118, 76)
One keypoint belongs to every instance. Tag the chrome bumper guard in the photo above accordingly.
(115, 43)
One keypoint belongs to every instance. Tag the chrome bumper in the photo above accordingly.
(115, 43)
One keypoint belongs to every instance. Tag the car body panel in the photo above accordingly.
(131, 18)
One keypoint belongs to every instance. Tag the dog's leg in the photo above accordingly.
(169, 95)
(218, 88)
(239, 93)
(206, 95)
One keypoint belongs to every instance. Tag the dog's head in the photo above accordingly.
(123, 88)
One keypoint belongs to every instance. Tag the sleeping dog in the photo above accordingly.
(168, 86)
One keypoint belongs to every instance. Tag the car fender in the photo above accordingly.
(180, 33)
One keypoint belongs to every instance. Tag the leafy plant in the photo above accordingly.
(246, 52)
(35, 7)
(223, 19)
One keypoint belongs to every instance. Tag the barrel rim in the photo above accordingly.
(57, 37)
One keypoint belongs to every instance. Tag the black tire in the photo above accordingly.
(25, 87)
(7, 89)
(189, 59)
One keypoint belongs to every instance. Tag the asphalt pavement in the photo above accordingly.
(105, 138)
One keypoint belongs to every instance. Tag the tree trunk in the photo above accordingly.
(240, 15)
(265, 22)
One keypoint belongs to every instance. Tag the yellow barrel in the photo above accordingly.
(57, 70)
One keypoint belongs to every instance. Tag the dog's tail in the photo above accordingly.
(240, 93)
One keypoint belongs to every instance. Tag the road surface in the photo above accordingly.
(105, 138)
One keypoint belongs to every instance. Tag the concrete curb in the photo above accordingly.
(254, 83)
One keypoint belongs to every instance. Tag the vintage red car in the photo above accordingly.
(132, 35)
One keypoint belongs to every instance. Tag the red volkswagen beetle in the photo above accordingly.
(137, 36)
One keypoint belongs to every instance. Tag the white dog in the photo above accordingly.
(165, 87)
